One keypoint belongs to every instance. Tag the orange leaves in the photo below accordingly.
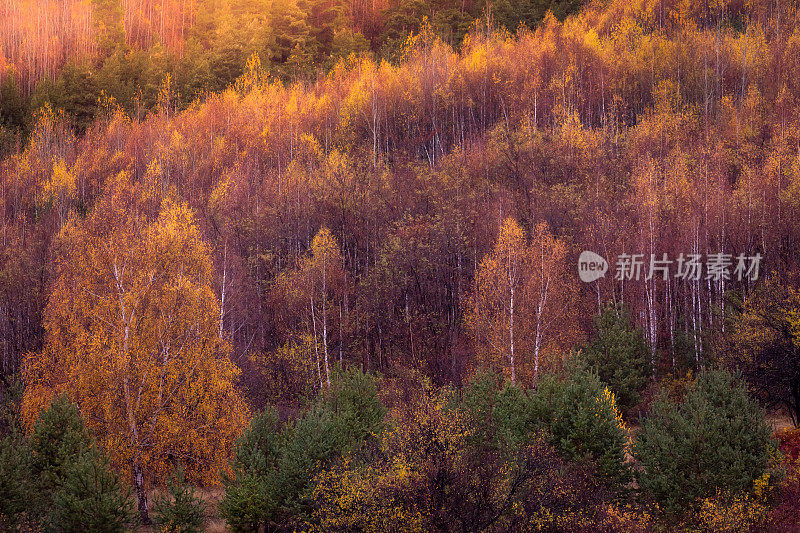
(132, 338)
(523, 302)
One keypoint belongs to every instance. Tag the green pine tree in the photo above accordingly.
(59, 438)
(619, 355)
(717, 438)
(180, 510)
(75, 90)
(109, 29)
(273, 467)
(581, 415)
(15, 486)
(91, 498)
(250, 497)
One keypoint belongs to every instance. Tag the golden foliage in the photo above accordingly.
(522, 303)
(742, 512)
(131, 337)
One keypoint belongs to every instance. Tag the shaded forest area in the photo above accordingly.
(212, 209)
(69, 53)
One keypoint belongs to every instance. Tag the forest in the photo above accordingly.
(400, 265)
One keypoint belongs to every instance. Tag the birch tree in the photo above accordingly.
(132, 338)
(521, 294)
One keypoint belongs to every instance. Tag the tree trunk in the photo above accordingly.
(141, 495)
(325, 321)
(222, 295)
(511, 336)
(316, 345)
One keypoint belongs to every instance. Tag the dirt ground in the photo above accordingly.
(779, 421)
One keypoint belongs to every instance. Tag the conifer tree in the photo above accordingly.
(618, 354)
(91, 498)
(715, 439)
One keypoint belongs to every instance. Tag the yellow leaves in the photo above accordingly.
(254, 77)
(521, 297)
(742, 512)
(389, 494)
(60, 187)
(607, 403)
(667, 97)
(131, 336)
(108, 106)
(324, 262)
(309, 148)
(290, 371)
(217, 199)
(166, 95)
(793, 315)
(359, 499)
(176, 229)
(477, 59)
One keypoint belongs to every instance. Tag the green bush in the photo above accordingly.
(619, 355)
(716, 438)
(449, 468)
(273, 467)
(581, 415)
(180, 510)
(91, 498)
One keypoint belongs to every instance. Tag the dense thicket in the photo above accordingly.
(626, 128)
(420, 217)
(71, 52)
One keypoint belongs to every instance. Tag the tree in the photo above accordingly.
(324, 268)
(499, 413)
(434, 474)
(13, 113)
(715, 439)
(59, 439)
(59, 480)
(498, 282)
(91, 498)
(358, 411)
(521, 292)
(249, 496)
(180, 510)
(75, 91)
(132, 337)
(67, 480)
(764, 344)
(577, 414)
(15, 482)
(309, 291)
(109, 25)
(580, 414)
(618, 354)
(274, 467)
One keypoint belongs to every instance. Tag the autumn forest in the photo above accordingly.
(399, 265)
